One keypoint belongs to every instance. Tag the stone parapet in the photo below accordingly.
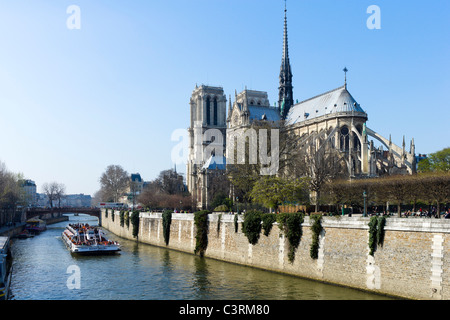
(413, 261)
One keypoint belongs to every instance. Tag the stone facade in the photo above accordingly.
(412, 263)
(206, 139)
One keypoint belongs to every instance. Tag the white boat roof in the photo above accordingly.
(3, 244)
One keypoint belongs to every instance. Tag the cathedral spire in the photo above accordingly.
(285, 59)
(285, 96)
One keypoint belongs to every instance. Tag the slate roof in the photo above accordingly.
(257, 113)
(334, 101)
(215, 163)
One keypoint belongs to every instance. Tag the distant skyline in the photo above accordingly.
(74, 101)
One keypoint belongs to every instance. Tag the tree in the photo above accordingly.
(221, 199)
(166, 191)
(272, 191)
(436, 188)
(321, 163)
(170, 182)
(436, 162)
(114, 183)
(60, 193)
(11, 194)
(50, 189)
(397, 188)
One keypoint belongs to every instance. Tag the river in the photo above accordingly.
(43, 269)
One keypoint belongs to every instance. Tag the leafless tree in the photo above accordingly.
(114, 183)
(60, 193)
(170, 182)
(50, 189)
(319, 161)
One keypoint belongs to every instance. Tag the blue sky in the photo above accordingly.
(75, 101)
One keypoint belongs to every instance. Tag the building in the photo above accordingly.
(29, 192)
(333, 120)
(69, 201)
(207, 143)
(77, 201)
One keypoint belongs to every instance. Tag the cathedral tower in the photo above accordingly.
(285, 95)
(207, 135)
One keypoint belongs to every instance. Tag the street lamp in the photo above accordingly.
(365, 204)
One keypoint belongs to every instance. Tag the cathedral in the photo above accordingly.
(333, 118)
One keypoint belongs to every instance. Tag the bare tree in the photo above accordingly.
(50, 189)
(166, 191)
(321, 163)
(60, 193)
(170, 182)
(114, 183)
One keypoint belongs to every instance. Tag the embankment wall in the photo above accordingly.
(413, 263)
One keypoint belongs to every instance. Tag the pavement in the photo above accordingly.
(5, 229)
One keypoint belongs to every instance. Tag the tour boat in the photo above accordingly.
(5, 267)
(25, 234)
(35, 226)
(85, 239)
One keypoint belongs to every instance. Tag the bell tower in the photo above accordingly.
(207, 129)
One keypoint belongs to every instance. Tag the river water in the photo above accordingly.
(44, 269)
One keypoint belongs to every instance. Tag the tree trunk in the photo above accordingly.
(317, 201)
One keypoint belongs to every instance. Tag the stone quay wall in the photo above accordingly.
(413, 263)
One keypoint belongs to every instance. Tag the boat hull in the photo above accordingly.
(5, 290)
(5, 268)
(97, 249)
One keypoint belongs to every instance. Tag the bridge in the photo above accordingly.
(57, 212)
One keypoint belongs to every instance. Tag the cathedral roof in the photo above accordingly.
(269, 113)
(215, 163)
(335, 101)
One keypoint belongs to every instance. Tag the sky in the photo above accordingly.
(116, 88)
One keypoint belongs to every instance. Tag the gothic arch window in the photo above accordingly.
(215, 111)
(356, 142)
(344, 139)
(208, 111)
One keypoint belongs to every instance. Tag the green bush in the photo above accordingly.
(135, 223)
(376, 233)
(122, 218)
(372, 235)
(251, 226)
(221, 208)
(127, 219)
(316, 228)
(167, 221)
(268, 219)
(201, 236)
(291, 225)
(380, 230)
